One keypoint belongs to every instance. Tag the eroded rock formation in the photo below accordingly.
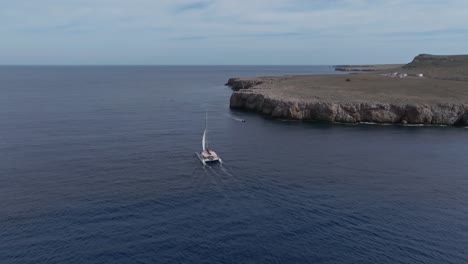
(345, 112)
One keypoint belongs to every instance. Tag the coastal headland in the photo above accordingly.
(367, 68)
(431, 90)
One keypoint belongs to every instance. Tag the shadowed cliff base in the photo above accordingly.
(439, 97)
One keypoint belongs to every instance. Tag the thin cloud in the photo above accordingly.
(190, 38)
(195, 29)
(192, 6)
(253, 35)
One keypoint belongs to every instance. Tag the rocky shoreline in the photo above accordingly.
(440, 114)
(354, 98)
(237, 84)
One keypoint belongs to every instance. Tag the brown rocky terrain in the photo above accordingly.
(438, 98)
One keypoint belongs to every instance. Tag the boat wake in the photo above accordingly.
(244, 196)
(236, 189)
(225, 170)
(235, 118)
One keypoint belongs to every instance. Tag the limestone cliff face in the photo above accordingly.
(437, 114)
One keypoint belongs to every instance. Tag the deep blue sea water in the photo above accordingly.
(97, 165)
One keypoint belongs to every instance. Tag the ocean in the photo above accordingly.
(98, 165)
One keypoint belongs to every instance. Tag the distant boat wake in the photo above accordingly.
(236, 118)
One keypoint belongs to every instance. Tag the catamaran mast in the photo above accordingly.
(204, 132)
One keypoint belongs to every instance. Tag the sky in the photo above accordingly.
(228, 32)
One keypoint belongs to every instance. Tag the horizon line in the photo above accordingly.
(179, 65)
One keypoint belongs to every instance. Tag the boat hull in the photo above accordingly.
(208, 157)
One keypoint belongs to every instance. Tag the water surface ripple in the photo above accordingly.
(97, 166)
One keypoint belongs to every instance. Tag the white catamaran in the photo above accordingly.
(207, 155)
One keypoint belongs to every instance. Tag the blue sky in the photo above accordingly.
(205, 32)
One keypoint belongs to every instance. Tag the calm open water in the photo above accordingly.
(97, 165)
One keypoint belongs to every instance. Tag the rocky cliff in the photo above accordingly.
(439, 114)
(237, 83)
(354, 99)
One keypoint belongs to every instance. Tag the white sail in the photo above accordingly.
(203, 140)
(207, 156)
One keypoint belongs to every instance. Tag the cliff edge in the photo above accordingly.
(438, 98)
